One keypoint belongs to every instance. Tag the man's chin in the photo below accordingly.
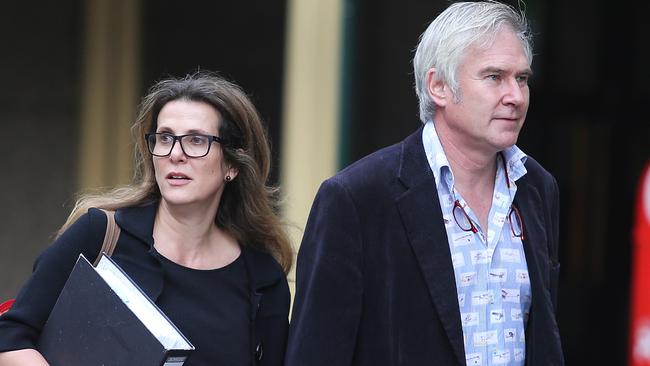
(505, 142)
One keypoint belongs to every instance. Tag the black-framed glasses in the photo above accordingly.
(194, 145)
(466, 224)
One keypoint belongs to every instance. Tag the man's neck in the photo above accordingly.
(474, 172)
(475, 183)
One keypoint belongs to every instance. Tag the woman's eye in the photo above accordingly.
(165, 138)
(198, 140)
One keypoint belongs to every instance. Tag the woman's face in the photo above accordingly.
(185, 180)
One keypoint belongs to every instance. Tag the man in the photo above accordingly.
(442, 249)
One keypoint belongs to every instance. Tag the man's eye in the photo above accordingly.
(493, 77)
(522, 79)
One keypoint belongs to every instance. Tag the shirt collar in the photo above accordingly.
(138, 220)
(515, 158)
(436, 155)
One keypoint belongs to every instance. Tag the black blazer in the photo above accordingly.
(270, 299)
(375, 282)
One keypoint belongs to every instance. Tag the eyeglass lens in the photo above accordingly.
(515, 222)
(461, 217)
(194, 145)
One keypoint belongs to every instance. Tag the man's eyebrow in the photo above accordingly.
(497, 70)
(527, 72)
(492, 70)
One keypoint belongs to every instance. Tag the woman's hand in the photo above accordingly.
(26, 357)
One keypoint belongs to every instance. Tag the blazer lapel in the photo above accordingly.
(422, 219)
(529, 202)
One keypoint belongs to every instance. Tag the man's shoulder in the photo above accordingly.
(536, 172)
(385, 160)
(382, 161)
(368, 179)
(539, 179)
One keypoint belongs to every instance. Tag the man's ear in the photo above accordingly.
(436, 88)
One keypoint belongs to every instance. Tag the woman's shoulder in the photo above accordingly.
(267, 277)
(84, 236)
(263, 269)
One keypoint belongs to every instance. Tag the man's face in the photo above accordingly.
(491, 107)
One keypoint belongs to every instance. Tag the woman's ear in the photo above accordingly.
(231, 174)
(436, 88)
(231, 171)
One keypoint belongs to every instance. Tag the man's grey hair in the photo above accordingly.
(443, 45)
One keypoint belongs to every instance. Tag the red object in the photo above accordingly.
(5, 306)
(639, 353)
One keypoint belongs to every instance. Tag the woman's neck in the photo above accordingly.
(191, 238)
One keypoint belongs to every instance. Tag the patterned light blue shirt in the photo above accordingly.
(491, 272)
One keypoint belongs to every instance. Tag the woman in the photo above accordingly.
(199, 233)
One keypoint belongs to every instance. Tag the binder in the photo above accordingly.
(103, 318)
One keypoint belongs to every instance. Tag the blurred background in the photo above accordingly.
(333, 81)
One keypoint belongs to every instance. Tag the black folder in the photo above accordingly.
(92, 325)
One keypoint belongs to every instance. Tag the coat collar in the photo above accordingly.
(422, 218)
(138, 221)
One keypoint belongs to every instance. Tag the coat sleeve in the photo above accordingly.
(20, 327)
(329, 288)
(554, 241)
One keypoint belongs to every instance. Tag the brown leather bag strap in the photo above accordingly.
(111, 236)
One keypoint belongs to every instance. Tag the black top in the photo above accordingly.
(268, 291)
(215, 302)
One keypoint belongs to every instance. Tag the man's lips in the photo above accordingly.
(507, 118)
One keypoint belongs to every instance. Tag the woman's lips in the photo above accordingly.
(177, 179)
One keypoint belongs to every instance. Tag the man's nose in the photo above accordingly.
(515, 93)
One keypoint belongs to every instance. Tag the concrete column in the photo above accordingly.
(311, 106)
(109, 91)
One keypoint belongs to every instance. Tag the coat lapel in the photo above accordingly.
(422, 218)
(529, 202)
(262, 273)
(145, 270)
